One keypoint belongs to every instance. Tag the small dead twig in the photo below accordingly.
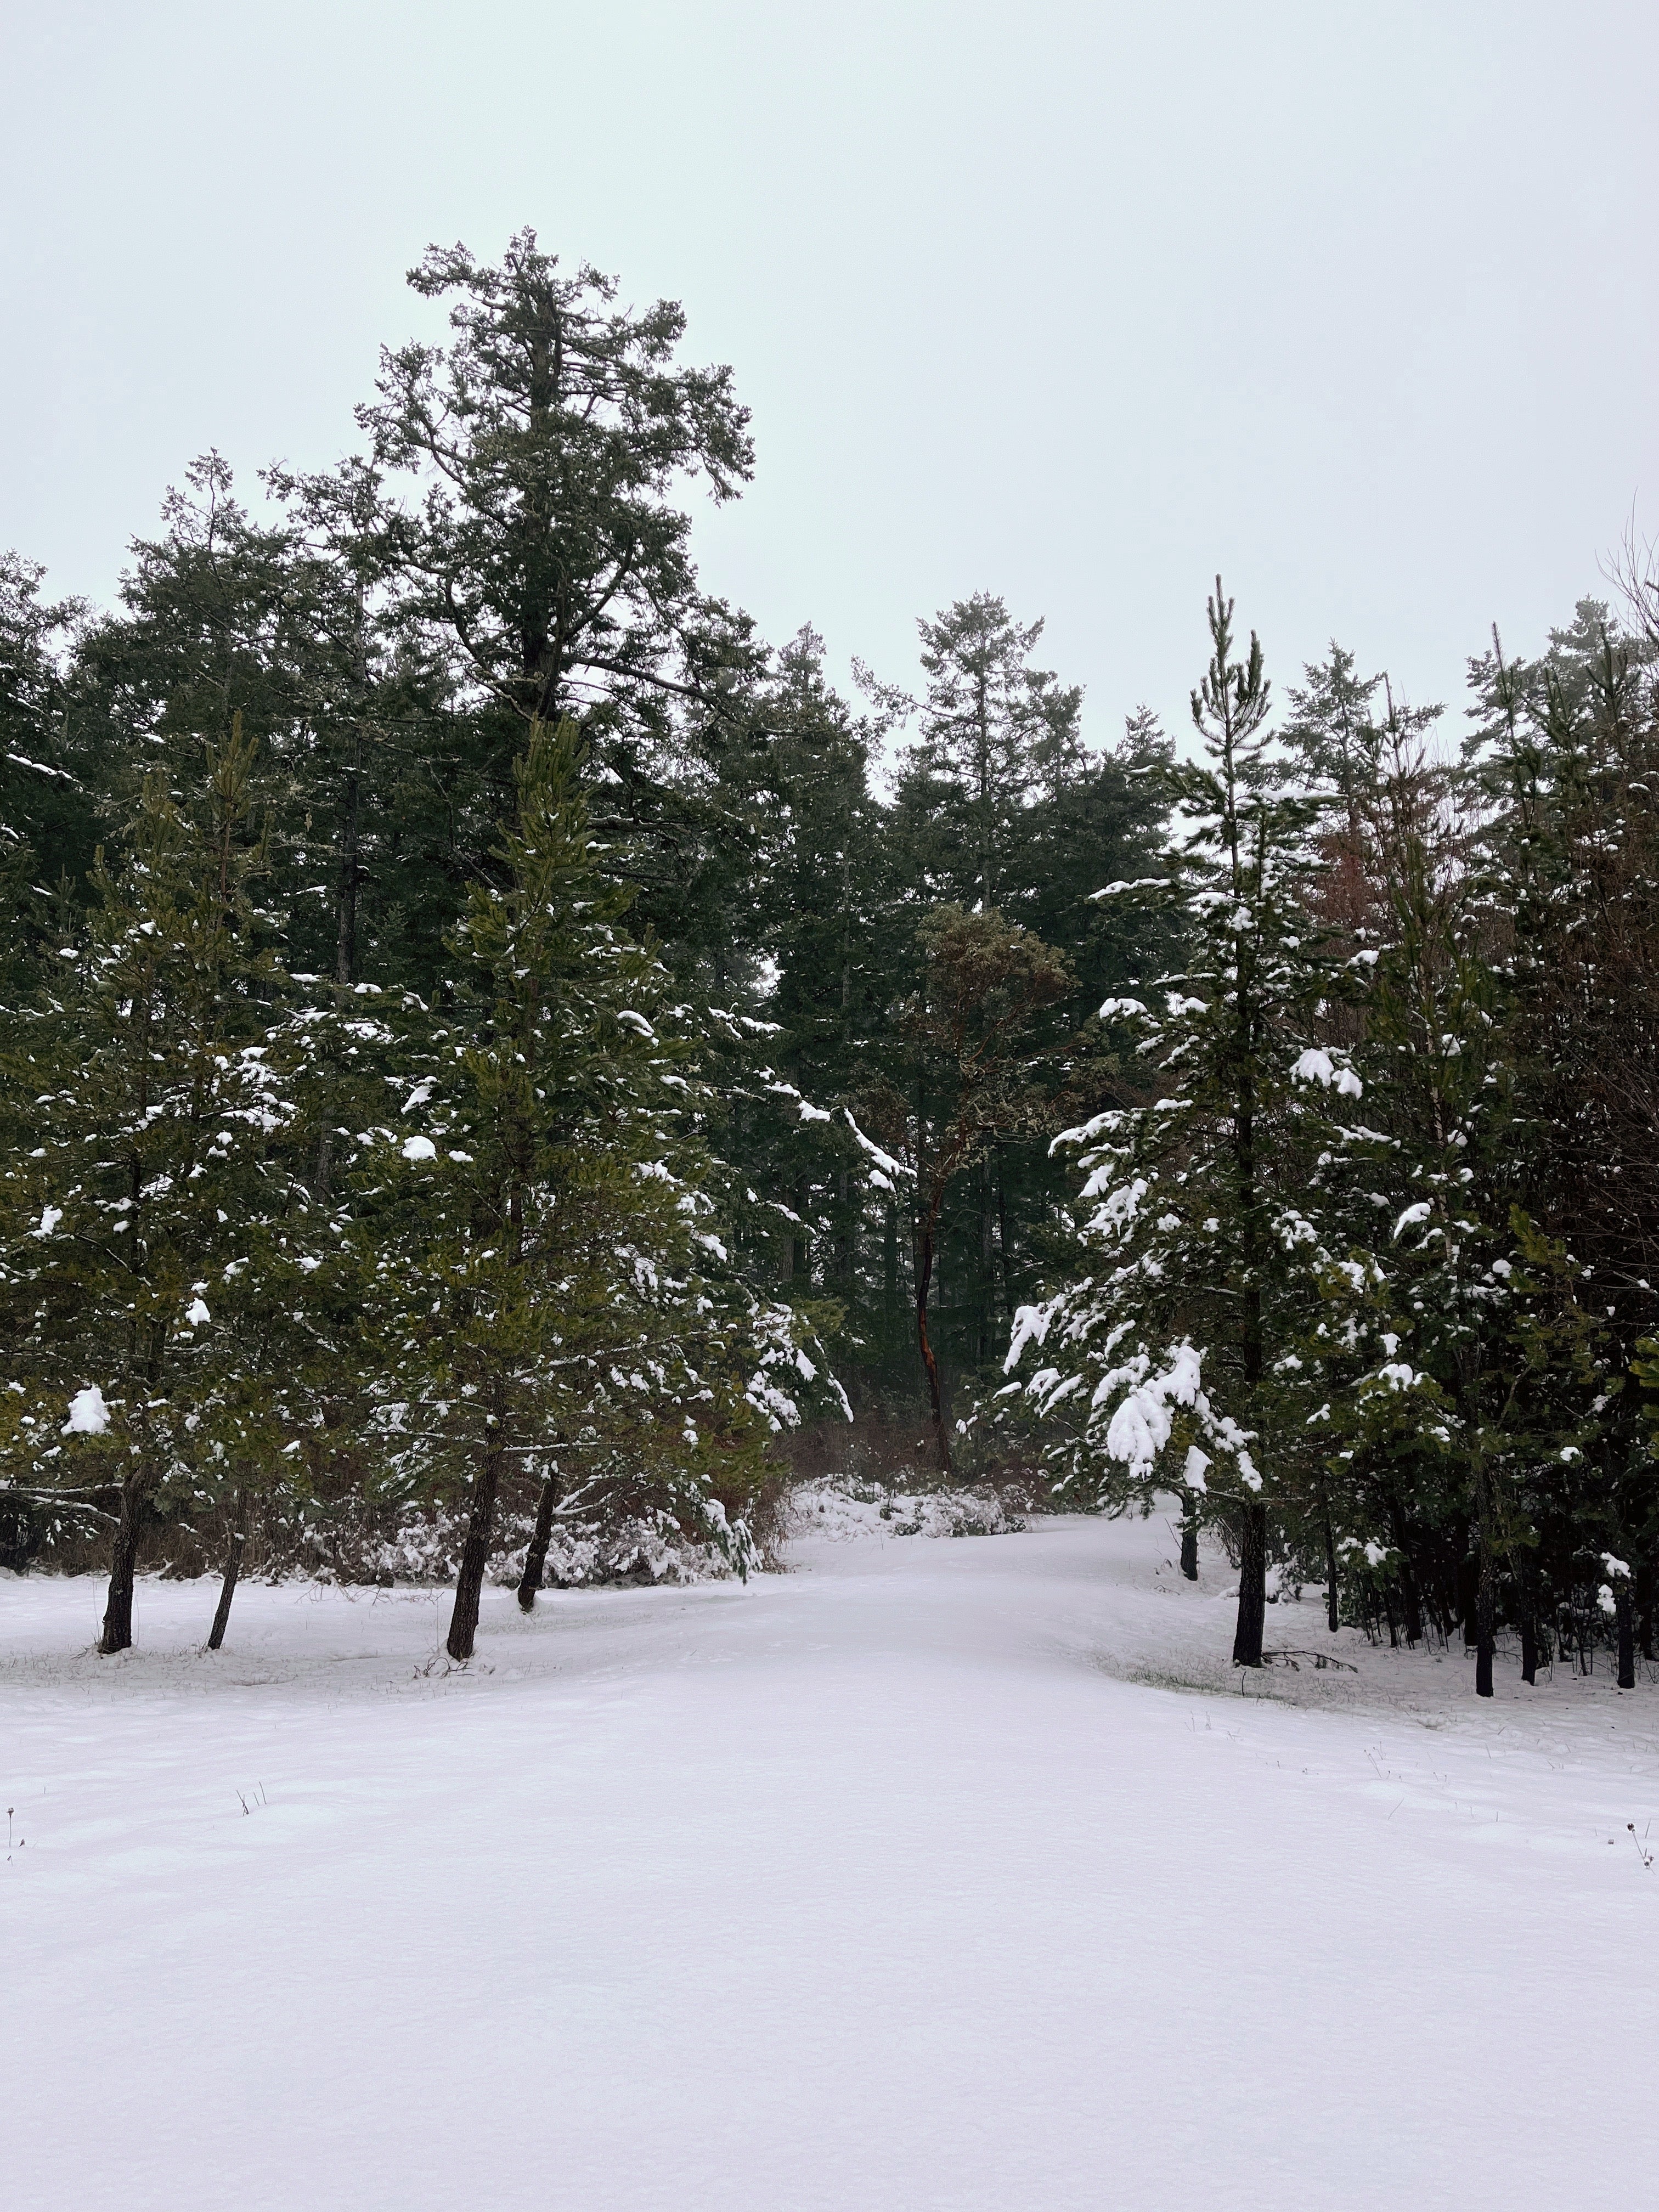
(1321, 1659)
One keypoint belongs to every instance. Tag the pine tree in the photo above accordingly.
(1202, 1255)
(816, 877)
(972, 1080)
(996, 736)
(46, 824)
(999, 809)
(157, 1242)
(533, 540)
(546, 1281)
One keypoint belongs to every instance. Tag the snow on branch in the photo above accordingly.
(1317, 1067)
(885, 1161)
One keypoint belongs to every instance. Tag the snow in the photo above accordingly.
(88, 1415)
(930, 1875)
(1317, 1067)
(1139, 1427)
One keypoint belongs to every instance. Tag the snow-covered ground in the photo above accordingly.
(932, 1874)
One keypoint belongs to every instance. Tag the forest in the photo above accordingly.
(499, 1060)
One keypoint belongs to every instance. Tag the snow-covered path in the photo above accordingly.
(871, 1886)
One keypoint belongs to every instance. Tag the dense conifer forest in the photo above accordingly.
(491, 1044)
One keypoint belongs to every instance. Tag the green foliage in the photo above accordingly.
(545, 1280)
(1205, 1248)
(158, 1244)
(473, 1015)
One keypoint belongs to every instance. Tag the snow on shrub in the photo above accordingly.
(829, 1509)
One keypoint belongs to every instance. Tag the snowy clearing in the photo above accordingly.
(910, 1879)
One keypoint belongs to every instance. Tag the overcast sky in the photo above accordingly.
(1073, 303)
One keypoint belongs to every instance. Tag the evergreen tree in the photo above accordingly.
(830, 986)
(47, 827)
(1202, 1260)
(998, 807)
(972, 1080)
(542, 555)
(546, 1283)
(996, 735)
(157, 1243)
(1333, 734)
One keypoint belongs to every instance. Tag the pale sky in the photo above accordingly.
(1076, 304)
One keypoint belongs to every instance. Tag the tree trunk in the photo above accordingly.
(845, 1233)
(1410, 1594)
(1412, 1600)
(1469, 1599)
(935, 1393)
(1252, 1584)
(985, 1290)
(1333, 1610)
(1527, 1585)
(1190, 1539)
(1002, 1242)
(1645, 1580)
(1485, 1608)
(475, 1552)
(117, 1608)
(535, 1560)
(234, 1552)
(1627, 1617)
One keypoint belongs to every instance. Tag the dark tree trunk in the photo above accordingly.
(1252, 1583)
(1449, 1550)
(475, 1552)
(1002, 1242)
(233, 1551)
(847, 1231)
(1333, 1606)
(1411, 1599)
(1468, 1602)
(1410, 1592)
(117, 1608)
(935, 1390)
(535, 1560)
(1528, 1582)
(1189, 1540)
(1626, 1618)
(984, 1288)
(1644, 1608)
(1485, 1610)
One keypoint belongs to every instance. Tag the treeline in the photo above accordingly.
(1367, 1257)
(472, 1033)
(486, 1037)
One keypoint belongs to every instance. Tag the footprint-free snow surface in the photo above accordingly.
(931, 1874)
